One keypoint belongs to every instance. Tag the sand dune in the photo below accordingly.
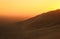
(44, 26)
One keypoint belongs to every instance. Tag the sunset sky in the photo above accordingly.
(27, 8)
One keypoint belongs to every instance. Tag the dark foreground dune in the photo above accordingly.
(44, 26)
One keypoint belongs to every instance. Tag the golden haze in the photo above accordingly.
(27, 8)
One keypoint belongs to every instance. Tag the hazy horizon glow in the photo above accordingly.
(27, 8)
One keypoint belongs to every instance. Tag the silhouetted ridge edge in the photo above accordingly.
(47, 19)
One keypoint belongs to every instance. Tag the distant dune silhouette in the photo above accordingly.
(44, 20)
(43, 26)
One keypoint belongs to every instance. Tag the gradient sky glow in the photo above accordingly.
(27, 8)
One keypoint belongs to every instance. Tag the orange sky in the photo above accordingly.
(27, 8)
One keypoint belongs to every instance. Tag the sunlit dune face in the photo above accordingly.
(27, 8)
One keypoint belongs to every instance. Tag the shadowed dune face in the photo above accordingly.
(44, 26)
(48, 19)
